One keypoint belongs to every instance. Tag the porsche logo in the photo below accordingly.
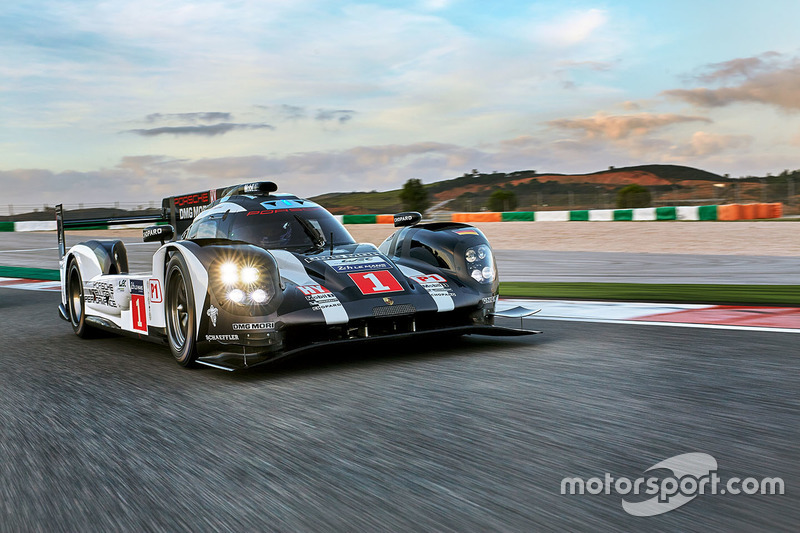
(388, 300)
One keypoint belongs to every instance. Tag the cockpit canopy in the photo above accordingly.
(271, 222)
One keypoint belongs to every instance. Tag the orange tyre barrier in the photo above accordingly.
(477, 217)
(763, 211)
(748, 211)
(384, 219)
(728, 212)
(777, 210)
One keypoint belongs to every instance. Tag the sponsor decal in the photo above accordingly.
(319, 297)
(376, 282)
(466, 232)
(489, 299)
(357, 264)
(101, 293)
(138, 307)
(222, 338)
(190, 212)
(388, 301)
(149, 232)
(156, 296)
(121, 284)
(251, 187)
(212, 314)
(438, 289)
(403, 218)
(192, 200)
(309, 290)
(273, 211)
(254, 326)
(342, 256)
(428, 278)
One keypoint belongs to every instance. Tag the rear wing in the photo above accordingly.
(96, 223)
(181, 210)
(178, 211)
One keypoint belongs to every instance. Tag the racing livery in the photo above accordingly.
(257, 276)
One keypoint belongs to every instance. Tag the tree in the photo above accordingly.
(633, 195)
(414, 196)
(502, 200)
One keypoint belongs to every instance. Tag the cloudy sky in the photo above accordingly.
(116, 100)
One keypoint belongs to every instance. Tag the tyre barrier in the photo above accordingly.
(682, 212)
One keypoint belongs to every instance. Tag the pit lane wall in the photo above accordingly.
(702, 212)
(686, 212)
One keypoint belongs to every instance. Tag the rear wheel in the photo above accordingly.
(76, 303)
(180, 312)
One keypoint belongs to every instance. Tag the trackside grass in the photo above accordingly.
(788, 295)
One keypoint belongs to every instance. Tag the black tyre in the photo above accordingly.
(180, 310)
(76, 303)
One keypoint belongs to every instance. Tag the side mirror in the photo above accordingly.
(158, 233)
(410, 218)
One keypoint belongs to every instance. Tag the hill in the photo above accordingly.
(534, 190)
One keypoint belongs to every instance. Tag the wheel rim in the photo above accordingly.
(75, 296)
(178, 310)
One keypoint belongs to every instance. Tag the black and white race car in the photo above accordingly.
(257, 276)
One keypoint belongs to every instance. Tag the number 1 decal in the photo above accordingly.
(375, 282)
(138, 306)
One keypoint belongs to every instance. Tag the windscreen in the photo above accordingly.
(299, 229)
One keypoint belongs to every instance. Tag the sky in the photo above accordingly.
(132, 101)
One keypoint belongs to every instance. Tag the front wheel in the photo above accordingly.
(76, 303)
(180, 310)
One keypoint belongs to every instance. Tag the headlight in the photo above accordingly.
(259, 296)
(480, 263)
(236, 296)
(229, 273)
(243, 281)
(249, 275)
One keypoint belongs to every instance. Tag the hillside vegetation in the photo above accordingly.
(535, 190)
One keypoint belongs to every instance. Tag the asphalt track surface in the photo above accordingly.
(476, 435)
(38, 250)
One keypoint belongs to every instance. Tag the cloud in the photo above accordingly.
(622, 126)
(292, 112)
(739, 67)
(340, 115)
(205, 131)
(704, 144)
(573, 28)
(191, 118)
(765, 82)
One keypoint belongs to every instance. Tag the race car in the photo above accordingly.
(257, 276)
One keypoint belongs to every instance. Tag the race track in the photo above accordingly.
(111, 435)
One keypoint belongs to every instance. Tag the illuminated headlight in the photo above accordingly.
(229, 273)
(476, 275)
(259, 296)
(471, 256)
(487, 273)
(249, 275)
(236, 296)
